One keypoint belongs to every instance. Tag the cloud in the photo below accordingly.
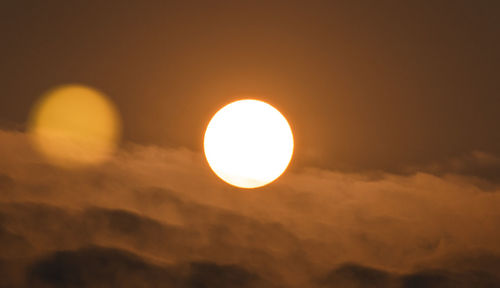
(162, 212)
(96, 267)
(352, 275)
(50, 228)
(104, 267)
(74, 260)
(480, 167)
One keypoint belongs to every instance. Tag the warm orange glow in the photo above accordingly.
(248, 143)
(75, 125)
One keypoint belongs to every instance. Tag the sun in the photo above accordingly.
(248, 143)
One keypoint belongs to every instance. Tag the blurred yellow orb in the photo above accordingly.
(75, 125)
(248, 143)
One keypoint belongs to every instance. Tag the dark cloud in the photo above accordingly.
(353, 276)
(11, 244)
(97, 267)
(105, 267)
(205, 275)
(92, 266)
(51, 228)
(358, 276)
(482, 168)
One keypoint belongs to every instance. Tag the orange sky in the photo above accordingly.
(394, 180)
(385, 86)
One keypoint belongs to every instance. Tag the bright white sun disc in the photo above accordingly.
(248, 143)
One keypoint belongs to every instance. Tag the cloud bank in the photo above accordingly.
(157, 217)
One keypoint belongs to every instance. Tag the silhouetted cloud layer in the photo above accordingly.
(354, 275)
(157, 217)
(104, 267)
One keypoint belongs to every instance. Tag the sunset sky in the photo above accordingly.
(394, 108)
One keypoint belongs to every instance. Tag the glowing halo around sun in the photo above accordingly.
(74, 126)
(248, 143)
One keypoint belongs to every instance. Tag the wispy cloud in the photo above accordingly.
(160, 216)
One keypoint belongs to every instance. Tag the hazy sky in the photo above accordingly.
(395, 180)
(366, 85)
